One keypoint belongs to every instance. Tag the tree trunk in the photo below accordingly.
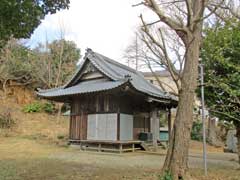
(238, 139)
(177, 156)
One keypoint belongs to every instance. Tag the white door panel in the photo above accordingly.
(91, 127)
(126, 127)
(111, 127)
(102, 127)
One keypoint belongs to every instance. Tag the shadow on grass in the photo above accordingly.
(44, 168)
(52, 169)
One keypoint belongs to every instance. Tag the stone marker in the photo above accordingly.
(231, 141)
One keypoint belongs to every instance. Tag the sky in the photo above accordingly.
(105, 26)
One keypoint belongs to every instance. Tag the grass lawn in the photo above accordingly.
(27, 159)
(30, 153)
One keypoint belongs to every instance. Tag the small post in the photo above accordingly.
(120, 148)
(99, 147)
(203, 120)
(133, 147)
(80, 146)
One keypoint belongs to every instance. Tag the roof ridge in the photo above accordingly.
(102, 61)
(109, 60)
(116, 63)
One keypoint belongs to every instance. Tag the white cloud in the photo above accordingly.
(106, 26)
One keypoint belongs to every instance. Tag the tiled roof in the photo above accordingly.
(116, 72)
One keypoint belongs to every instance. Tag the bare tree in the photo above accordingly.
(184, 19)
(58, 60)
(55, 62)
(138, 50)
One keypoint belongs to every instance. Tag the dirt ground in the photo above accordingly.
(28, 159)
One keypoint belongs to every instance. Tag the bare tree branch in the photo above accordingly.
(212, 11)
(169, 21)
(189, 10)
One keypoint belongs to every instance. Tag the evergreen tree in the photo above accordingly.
(221, 55)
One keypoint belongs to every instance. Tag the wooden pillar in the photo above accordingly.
(70, 122)
(97, 103)
(154, 127)
(118, 126)
(169, 116)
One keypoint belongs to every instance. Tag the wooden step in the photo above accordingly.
(148, 146)
(145, 146)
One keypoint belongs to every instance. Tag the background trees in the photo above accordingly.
(18, 19)
(220, 54)
(16, 65)
(47, 66)
(57, 62)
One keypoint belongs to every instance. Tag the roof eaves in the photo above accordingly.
(148, 92)
(43, 94)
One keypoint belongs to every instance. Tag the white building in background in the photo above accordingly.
(165, 77)
(167, 82)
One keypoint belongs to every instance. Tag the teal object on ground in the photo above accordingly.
(163, 135)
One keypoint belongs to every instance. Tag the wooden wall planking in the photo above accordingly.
(81, 106)
(141, 123)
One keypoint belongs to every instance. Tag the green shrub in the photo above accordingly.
(196, 133)
(48, 107)
(166, 176)
(33, 107)
(39, 107)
